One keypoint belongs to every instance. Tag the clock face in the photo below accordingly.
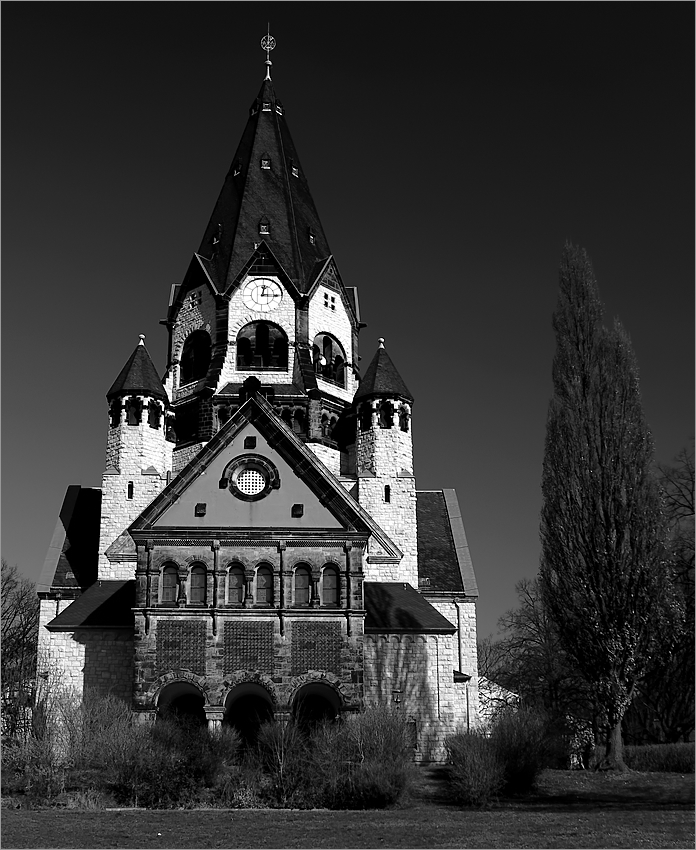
(262, 294)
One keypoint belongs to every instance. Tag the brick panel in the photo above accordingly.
(181, 645)
(248, 646)
(316, 646)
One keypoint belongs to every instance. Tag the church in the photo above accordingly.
(258, 547)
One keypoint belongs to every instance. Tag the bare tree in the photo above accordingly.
(663, 710)
(604, 576)
(18, 631)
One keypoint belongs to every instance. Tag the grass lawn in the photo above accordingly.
(570, 809)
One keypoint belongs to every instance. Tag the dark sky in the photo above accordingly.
(451, 148)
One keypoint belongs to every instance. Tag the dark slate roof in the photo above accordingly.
(105, 605)
(71, 560)
(233, 389)
(382, 379)
(275, 194)
(443, 552)
(138, 376)
(398, 607)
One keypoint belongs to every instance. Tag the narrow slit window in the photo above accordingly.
(130, 489)
(387, 493)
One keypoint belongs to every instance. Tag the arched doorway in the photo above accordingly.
(182, 703)
(248, 706)
(315, 703)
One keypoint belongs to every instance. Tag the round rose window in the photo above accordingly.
(251, 482)
(250, 477)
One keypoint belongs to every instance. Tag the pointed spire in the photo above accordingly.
(139, 376)
(265, 202)
(382, 378)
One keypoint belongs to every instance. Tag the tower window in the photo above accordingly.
(129, 492)
(386, 414)
(194, 299)
(312, 238)
(265, 163)
(404, 416)
(186, 422)
(329, 359)
(302, 586)
(235, 585)
(279, 109)
(154, 414)
(262, 345)
(115, 412)
(329, 586)
(198, 581)
(264, 227)
(264, 586)
(295, 171)
(365, 417)
(195, 357)
(266, 106)
(170, 582)
(387, 493)
(134, 410)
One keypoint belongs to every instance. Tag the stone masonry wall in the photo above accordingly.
(196, 313)
(462, 614)
(95, 660)
(385, 458)
(331, 458)
(415, 672)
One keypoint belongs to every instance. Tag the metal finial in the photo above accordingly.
(268, 43)
(142, 339)
(381, 342)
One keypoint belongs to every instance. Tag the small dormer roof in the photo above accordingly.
(382, 379)
(138, 376)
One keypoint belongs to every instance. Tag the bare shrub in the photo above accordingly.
(521, 738)
(477, 772)
(661, 758)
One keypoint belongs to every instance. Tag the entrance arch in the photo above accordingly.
(315, 703)
(182, 702)
(247, 706)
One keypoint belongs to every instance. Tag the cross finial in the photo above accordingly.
(268, 43)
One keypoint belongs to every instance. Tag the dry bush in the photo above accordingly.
(477, 772)
(661, 758)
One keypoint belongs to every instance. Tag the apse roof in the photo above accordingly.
(104, 605)
(444, 561)
(71, 560)
(382, 378)
(398, 607)
(138, 376)
(266, 197)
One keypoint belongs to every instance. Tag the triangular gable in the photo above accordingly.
(198, 487)
(258, 256)
(329, 275)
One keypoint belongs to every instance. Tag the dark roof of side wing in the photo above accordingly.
(104, 605)
(397, 607)
(444, 559)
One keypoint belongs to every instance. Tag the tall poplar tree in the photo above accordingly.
(603, 573)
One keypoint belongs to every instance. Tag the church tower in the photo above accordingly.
(138, 452)
(263, 297)
(384, 464)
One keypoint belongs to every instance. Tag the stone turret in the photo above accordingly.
(138, 452)
(384, 464)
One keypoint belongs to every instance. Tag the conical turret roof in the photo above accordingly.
(138, 376)
(382, 378)
(265, 198)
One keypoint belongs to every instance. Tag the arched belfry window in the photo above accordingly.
(195, 357)
(329, 359)
(262, 345)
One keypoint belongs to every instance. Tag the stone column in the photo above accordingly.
(214, 714)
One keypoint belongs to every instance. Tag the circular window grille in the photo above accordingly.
(250, 482)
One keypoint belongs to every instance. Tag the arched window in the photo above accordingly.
(264, 586)
(154, 414)
(298, 422)
(404, 416)
(302, 585)
(262, 345)
(134, 410)
(365, 416)
(329, 359)
(329, 586)
(195, 357)
(170, 583)
(235, 584)
(197, 583)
